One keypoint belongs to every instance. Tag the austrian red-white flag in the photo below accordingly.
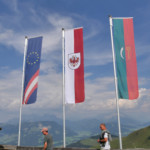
(74, 66)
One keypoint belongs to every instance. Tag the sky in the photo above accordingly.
(47, 18)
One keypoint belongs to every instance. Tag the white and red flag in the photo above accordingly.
(74, 66)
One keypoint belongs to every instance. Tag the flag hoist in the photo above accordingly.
(124, 61)
(73, 69)
(31, 68)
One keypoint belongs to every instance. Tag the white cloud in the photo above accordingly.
(144, 82)
(100, 92)
(100, 96)
(59, 21)
(51, 31)
(100, 99)
(52, 36)
(10, 90)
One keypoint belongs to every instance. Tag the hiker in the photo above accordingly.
(48, 140)
(105, 138)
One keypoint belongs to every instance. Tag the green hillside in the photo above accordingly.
(137, 139)
(85, 143)
(88, 143)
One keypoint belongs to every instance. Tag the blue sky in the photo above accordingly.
(47, 18)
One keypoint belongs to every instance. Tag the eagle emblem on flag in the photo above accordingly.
(74, 60)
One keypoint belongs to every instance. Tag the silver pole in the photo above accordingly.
(115, 77)
(63, 88)
(25, 51)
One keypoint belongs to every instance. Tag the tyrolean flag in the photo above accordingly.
(74, 66)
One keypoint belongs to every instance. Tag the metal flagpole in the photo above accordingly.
(115, 76)
(25, 51)
(63, 88)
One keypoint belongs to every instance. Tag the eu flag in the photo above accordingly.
(32, 68)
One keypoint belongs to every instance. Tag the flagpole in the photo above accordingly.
(63, 88)
(20, 117)
(115, 77)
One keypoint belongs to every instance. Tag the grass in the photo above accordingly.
(137, 139)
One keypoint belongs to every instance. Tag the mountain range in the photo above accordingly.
(75, 130)
(31, 133)
(136, 139)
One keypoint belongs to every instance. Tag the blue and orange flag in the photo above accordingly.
(126, 65)
(32, 68)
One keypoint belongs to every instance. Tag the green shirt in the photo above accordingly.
(48, 138)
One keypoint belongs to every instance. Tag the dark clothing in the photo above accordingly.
(105, 134)
(102, 137)
(48, 138)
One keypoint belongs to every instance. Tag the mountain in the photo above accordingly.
(139, 138)
(91, 126)
(88, 143)
(75, 130)
(136, 139)
(145, 124)
(31, 133)
(35, 118)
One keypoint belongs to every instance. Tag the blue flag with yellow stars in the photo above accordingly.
(32, 68)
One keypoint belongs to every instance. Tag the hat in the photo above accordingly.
(44, 129)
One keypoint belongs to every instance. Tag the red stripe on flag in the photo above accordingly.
(33, 77)
(79, 73)
(131, 65)
(33, 89)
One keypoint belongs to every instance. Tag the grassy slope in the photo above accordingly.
(140, 138)
(86, 143)
(137, 139)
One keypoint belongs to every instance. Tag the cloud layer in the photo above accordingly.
(100, 91)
